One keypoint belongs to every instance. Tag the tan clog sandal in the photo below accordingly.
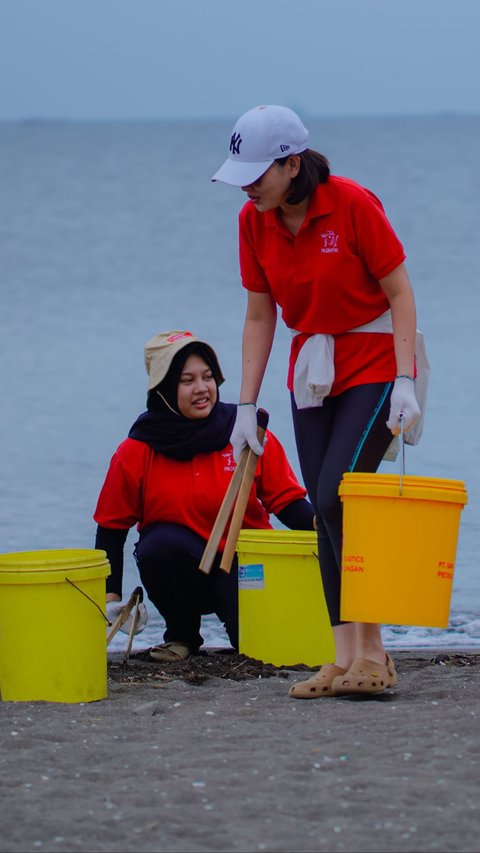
(171, 651)
(318, 685)
(366, 676)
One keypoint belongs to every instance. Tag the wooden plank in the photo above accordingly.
(243, 495)
(223, 515)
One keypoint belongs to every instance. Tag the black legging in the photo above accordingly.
(347, 433)
(168, 556)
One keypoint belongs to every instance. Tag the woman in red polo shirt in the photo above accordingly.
(169, 478)
(322, 249)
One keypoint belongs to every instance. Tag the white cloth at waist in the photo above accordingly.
(314, 371)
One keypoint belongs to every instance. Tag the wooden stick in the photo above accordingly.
(243, 495)
(133, 628)
(223, 515)
(125, 612)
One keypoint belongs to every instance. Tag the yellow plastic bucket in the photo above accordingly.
(399, 547)
(283, 617)
(52, 634)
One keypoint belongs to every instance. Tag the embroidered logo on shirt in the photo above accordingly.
(330, 242)
(229, 461)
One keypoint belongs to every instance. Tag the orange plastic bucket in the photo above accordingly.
(399, 548)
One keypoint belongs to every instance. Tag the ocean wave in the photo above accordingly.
(463, 632)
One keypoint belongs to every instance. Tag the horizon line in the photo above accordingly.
(32, 119)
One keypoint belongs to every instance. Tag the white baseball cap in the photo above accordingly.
(259, 137)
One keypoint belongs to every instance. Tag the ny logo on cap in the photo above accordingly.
(235, 143)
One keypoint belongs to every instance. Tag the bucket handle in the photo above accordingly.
(90, 599)
(402, 454)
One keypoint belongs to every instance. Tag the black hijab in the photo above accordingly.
(167, 431)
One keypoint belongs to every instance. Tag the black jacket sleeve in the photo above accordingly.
(112, 541)
(297, 515)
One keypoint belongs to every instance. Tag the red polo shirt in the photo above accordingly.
(326, 277)
(143, 487)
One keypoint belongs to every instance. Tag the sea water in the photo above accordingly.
(112, 232)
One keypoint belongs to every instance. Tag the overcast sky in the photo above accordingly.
(217, 58)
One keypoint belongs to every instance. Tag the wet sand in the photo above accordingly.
(173, 761)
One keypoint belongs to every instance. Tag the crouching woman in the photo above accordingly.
(169, 478)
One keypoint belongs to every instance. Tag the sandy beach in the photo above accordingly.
(214, 755)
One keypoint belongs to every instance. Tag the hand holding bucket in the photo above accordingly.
(404, 409)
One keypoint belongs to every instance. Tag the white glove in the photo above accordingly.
(403, 405)
(244, 433)
(113, 610)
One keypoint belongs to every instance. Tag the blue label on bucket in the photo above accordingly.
(251, 576)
